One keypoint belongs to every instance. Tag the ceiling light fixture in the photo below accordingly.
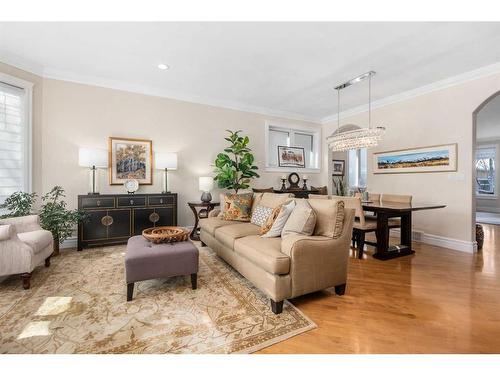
(163, 66)
(358, 138)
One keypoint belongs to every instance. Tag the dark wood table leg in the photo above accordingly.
(382, 236)
(406, 230)
(390, 252)
(194, 233)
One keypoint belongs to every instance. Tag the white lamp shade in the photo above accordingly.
(166, 160)
(92, 157)
(206, 183)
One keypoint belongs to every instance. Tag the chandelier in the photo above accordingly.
(344, 140)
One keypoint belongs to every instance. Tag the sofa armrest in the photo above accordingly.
(23, 223)
(318, 262)
(7, 232)
(15, 255)
(214, 213)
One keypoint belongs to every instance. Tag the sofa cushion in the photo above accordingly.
(37, 239)
(229, 233)
(273, 200)
(329, 217)
(212, 223)
(237, 207)
(264, 252)
(301, 221)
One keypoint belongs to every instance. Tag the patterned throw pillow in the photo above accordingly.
(237, 207)
(275, 223)
(260, 215)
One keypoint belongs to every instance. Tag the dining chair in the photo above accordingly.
(362, 224)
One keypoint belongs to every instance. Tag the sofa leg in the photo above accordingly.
(26, 277)
(130, 291)
(47, 262)
(277, 307)
(340, 289)
(203, 244)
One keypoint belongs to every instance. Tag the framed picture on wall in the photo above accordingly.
(130, 159)
(291, 157)
(338, 167)
(441, 158)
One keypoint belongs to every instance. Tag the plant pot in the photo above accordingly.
(56, 247)
(479, 236)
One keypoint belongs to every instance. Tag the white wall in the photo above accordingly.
(438, 117)
(77, 115)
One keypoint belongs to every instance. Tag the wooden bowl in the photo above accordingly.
(165, 234)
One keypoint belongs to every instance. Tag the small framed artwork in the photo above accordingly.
(442, 158)
(338, 167)
(130, 159)
(291, 157)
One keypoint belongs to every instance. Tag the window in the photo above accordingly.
(14, 136)
(486, 171)
(357, 163)
(292, 136)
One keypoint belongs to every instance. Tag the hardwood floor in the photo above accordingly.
(436, 301)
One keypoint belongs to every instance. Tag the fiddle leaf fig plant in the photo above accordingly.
(55, 217)
(19, 204)
(234, 169)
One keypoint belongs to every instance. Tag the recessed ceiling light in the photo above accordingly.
(163, 66)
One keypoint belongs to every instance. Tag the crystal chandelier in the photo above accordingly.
(358, 138)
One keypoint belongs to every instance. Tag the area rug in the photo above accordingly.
(78, 305)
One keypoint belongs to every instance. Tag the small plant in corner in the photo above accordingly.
(19, 204)
(55, 217)
(235, 167)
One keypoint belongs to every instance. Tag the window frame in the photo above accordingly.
(292, 129)
(358, 166)
(497, 179)
(28, 130)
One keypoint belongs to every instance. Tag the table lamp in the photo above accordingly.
(93, 158)
(205, 185)
(166, 161)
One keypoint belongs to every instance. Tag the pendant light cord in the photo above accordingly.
(338, 109)
(370, 101)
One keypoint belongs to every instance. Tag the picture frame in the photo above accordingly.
(439, 158)
(338, 167)
(291, 157)
(130, 158)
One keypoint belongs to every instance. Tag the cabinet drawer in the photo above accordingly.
(161, 200)
(96, 202)
(131, 201)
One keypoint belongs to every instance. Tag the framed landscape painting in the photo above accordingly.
(291, 157)
(442, 158)
(130, 159)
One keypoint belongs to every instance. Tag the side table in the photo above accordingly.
(200, 211)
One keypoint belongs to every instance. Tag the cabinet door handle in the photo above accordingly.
(161, 200)
(154, 217)
(131, 202)
(98, 203)
(107, 220)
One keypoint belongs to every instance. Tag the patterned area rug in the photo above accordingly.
(78, 305)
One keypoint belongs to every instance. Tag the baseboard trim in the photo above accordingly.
(449, 243)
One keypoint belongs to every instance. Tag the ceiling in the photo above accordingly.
(488, 120)
(286, 69)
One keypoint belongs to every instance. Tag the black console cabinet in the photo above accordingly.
(113, 218)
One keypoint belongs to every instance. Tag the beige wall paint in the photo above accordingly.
(77, 115)
(36, 118)
(439, 117)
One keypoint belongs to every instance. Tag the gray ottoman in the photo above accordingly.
(145, 261)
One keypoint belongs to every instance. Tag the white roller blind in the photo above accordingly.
(13, 141)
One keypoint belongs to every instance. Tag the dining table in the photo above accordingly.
(388, 210)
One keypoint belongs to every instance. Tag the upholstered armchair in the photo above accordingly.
(23, 246)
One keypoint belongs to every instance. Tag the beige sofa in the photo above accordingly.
(281, 268)
(23, 246)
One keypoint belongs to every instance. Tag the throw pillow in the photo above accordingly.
(260, 215)
(301, 221)
(237, 207)
(277, 220)
(330, 217)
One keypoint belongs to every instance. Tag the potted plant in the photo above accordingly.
(235, 167)
(19, 204)
(55, 217)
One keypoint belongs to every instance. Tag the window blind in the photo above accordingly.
(13, 141)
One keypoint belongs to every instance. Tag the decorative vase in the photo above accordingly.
(479, 236)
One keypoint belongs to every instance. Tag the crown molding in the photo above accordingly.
(422, 90)
(152, 91)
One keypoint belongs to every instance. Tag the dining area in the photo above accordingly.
(378, 214)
